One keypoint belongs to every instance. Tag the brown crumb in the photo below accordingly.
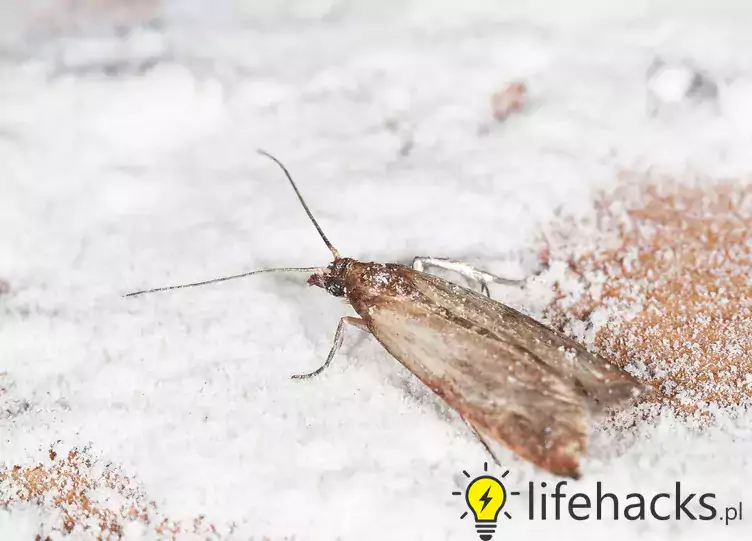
(73, 486)
(66, 488)
(667, 288)
(509, 100)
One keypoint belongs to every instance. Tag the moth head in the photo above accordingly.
(333, 277)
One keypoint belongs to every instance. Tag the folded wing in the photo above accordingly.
(510, 377)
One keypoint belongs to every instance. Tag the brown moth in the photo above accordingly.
(511, 378)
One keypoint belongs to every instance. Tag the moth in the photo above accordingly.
(512, 379)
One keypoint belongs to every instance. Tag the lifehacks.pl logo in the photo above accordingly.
(486, 497)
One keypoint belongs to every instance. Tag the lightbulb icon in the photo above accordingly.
(485, 496)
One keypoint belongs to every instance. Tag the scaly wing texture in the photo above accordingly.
(603, 383)
(509, 376)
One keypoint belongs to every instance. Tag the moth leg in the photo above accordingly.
(338, 337)
(468, 271)
(484, 289)
(483, 442)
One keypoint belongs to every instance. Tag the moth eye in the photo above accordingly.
(335, 288)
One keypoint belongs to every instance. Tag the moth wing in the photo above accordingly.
(603, 383)
(501, 389)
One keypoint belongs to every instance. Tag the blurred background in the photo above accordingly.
(477, 130)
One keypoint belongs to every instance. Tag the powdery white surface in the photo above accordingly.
(114, 184)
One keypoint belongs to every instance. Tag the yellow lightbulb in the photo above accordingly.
(485, 496)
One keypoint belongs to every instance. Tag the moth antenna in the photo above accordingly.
(225, 278)
(329, 245)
